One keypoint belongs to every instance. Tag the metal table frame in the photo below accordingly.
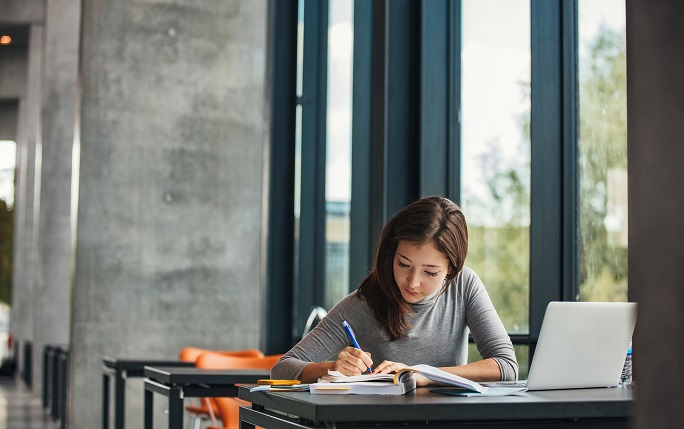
(179, 383)
(120, 370)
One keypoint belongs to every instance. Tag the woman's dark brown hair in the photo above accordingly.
(431, 219)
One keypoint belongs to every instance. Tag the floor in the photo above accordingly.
(19, 409)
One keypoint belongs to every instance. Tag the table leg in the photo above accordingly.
(244, 424)
(105, 401)
(50, 381)
(119, 400)
(45, 377)
(149, 412)
(175, 408)
(54, 403)
(64, 379)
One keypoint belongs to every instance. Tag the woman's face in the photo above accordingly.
(419, 270)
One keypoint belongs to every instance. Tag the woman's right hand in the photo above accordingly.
(352, 361)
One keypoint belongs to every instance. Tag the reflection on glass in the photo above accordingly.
(603, 151)
(522, 354)
(297, 191)
(496, 151)
(338, 164)
(298, 141)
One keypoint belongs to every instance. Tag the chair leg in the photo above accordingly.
(196, 420)
(197, 423)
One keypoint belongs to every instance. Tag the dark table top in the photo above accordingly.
(423, 405)
(133, 367)
(190, 376)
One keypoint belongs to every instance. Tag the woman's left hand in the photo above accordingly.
(389, 367)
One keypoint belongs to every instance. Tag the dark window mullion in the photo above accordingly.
(282, 78)
(440, 95)
(570, 144)
(434, 97)
(402, 127)
(546, 227)
(311, 258)
(454, 105)
(321, 154)
(361, 241)
(380, 97)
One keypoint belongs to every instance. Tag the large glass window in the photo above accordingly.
(495, 145)
(322, 156)
(602, 151)
(578, 201)
(338, 162)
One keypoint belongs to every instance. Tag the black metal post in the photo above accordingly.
(45, 378)
(55, 385)
(64, 380)
(149, 413)
(28, 363)
(105, 401)
(119, 398)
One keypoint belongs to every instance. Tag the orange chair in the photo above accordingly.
(228, 408)
(190, 354)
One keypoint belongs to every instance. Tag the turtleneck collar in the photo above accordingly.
(430, 299)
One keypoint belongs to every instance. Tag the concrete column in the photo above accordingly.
(52, 291)
(23, 84)
(169, 205)
(23, 194)
(27, 192)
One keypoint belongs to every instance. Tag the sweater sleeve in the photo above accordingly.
(326, 340)
(490, 335)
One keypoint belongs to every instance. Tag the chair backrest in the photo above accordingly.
(228, 408)
(190, 354)
(316, 315)
(213, 360)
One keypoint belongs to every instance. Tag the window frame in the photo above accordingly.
(399, 115)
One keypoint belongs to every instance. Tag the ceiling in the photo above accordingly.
(18, 33)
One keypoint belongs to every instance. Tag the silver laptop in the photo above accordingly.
(581, 345)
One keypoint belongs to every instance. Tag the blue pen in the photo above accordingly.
(352, 337)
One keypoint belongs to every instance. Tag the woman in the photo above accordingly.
(416, 306)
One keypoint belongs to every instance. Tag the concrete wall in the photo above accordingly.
(13, 117)
(22, 11)
(170, 183)
(52, 282)
(27, 190)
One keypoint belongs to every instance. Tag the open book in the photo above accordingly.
(369, 384)
(399, 383)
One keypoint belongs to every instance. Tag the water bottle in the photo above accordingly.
(626, 376)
